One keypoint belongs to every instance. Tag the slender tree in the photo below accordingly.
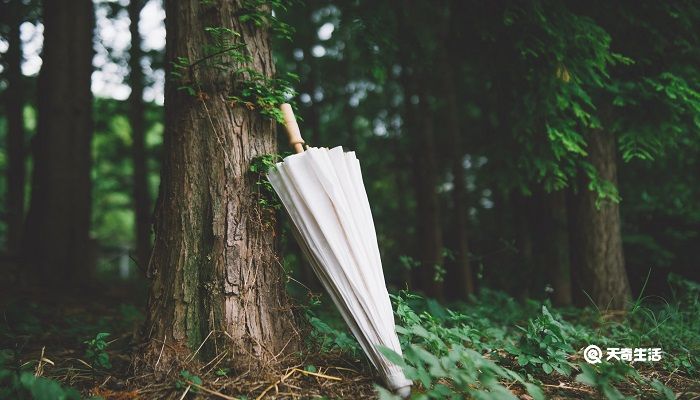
(658, 73)
(555, 246)
(523, 209)
(214, 267)
(56, 239)
(142, 200)
(555, 87)
(429, 228)
(14, 107)
(419, 125)
(597, 252)
(461, 269)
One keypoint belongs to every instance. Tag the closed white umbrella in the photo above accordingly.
(323, 192)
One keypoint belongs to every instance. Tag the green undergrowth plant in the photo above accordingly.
(439, 354)
(96, 351)
(460, 373)
(603, 378)
(188, 379)
(480, 348)
(544, 343)
(259, 167)
(670, 324)
(329, 339)
(18, 381)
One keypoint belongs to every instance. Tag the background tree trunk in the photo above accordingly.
(523, 209)
(14, 108)
(461, 274)
(214, 265)
(597, 253)
(419, 125)
(56, 239)
(429, 229)
(556, 247)
(142, 200)
(404, 234)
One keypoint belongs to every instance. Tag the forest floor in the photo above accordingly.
(82, 347)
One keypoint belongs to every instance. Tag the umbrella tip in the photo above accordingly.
(404, 391)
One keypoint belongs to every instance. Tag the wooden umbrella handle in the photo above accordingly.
(292, 128)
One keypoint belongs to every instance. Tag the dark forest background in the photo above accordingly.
(546, 151)
(477, 128)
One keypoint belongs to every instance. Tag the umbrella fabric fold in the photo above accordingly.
(323, 192)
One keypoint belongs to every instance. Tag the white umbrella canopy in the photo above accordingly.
(323, 192)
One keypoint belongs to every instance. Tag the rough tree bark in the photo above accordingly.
(597, 254)
(214, 266)
(14, 105)
(56, 239)
(142, 200)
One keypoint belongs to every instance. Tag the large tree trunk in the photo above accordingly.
(597, 253)
(142, 200)
(56, 239)
(214, 266)
(556, 247)
(14, 104)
